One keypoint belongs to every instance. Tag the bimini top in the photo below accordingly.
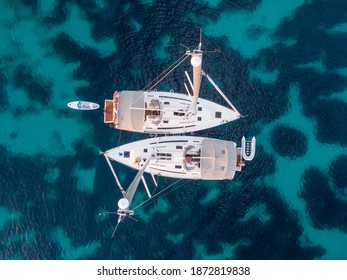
(218, 159)
(131, 110)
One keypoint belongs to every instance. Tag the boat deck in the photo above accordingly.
(108, 111)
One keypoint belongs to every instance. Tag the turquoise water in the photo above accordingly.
(282, 63)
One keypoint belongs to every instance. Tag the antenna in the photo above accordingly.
(200, 38)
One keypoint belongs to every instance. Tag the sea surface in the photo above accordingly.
(282, 63)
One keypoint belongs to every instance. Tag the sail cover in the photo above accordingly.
(218, 159)
(131, 110)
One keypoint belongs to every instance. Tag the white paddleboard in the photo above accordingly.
(83, 105)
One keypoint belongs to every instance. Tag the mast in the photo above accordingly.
(124, 203)
(128, 196)
(196, 62)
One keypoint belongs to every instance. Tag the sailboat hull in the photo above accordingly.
(184, 157)
(171, 115)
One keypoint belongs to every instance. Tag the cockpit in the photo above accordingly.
(153, 111)
(191, 159)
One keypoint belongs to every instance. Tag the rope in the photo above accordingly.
(167, 71)
(173, 66)
(119, 136)
(152, 198)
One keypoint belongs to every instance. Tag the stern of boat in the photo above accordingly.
(110, 110)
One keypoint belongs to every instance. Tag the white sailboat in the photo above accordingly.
(180, 157)
(185, 157)
(161, 112)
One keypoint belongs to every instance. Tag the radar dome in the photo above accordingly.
(196, 60)
(123, 203)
